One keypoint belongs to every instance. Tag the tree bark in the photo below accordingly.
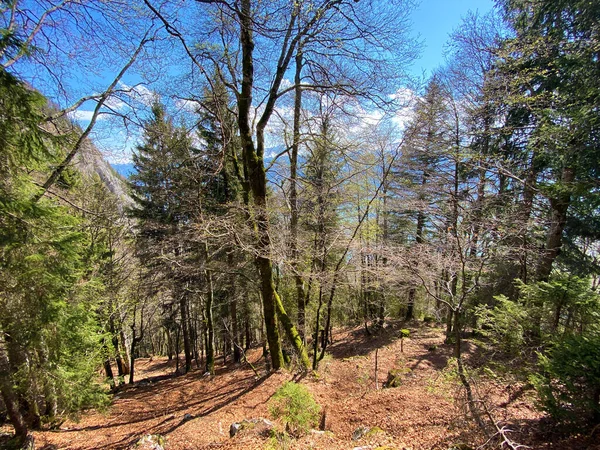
(294, 212)
(253, 161)
(210, 331)
(559, 206)
(235, 338)
(187, 348)
(9, 396)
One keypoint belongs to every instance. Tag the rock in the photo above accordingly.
(360, 432)
(187, 417)
(150, 442)
(234, 428)
(367, 432)
(261, 425)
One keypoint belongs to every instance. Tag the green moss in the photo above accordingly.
(373, 431)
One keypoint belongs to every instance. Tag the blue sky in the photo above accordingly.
(434, 20)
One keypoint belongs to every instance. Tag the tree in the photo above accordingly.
(550, 72)
(289, 25)
(162, 192)
(50, 291)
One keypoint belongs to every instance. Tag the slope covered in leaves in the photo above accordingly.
(196, 411)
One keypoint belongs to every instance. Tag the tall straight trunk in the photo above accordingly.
(523, 215)
(559, 206)
(50, 396)
(135, 339)
(210, 330)
(410, 308)
(315, 361)
(107, 366)
(233, 306)
(301, 297)
(125, 346)
(385, 238)
(248, 335)
(177, 336)
(253, 164)
(116, 346)
(187, 347)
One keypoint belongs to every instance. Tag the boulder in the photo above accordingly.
(360, 432)
(260, 426)
(150, 442)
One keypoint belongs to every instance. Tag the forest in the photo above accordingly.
(297, 193)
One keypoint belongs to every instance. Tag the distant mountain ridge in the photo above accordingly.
(125, 170)
(90, 162)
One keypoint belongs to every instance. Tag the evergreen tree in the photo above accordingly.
(550, 70)
(48, 293)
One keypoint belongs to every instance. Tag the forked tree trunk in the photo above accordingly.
(253, 162)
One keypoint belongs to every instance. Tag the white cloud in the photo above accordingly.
(187, 105)
(405, 96)
(115, 104)
(139, 93)
(83, 116)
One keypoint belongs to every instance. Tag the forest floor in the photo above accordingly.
(195, 411)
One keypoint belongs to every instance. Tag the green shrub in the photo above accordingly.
(296, 407)
(505, 325)
(568, 382)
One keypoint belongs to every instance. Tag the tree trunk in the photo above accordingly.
(253, 162)
(125, 345)
(410, 307)
(187, 348)
(559, 206)
(248, 343)
(135, 339)
(294, 213)
(9, 396)
(235, 332)
(210, 331)
(115, 342)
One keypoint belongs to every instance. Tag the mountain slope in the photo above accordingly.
(90, 162)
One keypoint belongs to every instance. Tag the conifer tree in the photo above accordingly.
(48, 290)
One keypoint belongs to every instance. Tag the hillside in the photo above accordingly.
(195, 411)
(90, 162)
